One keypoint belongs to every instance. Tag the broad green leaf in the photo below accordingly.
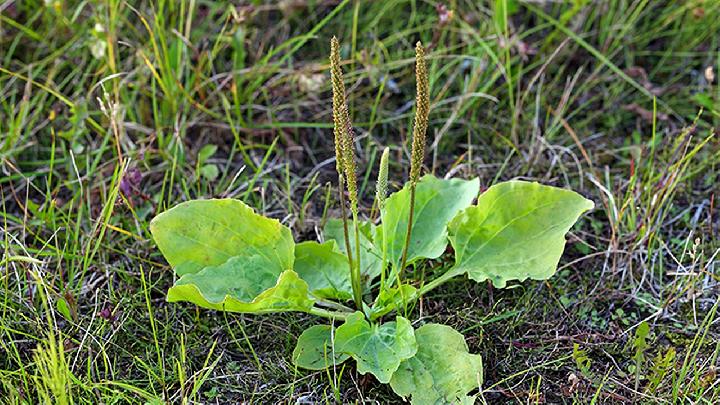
(436, 203)
(378, 349)
(442, 371)
(370, 257)
(324, 269)
(315, 349)
(391, 298)
(516, 231)
(230, 258)
(227, 288)
(201, 233)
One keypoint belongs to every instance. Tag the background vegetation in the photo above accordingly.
(113, 111)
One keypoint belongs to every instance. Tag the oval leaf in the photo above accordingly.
(201, 233)
(224, 288)
(436, 203)
(315, 349)
(324, 269)
(442, 371)
(378, 349)
(230, 258)
(516, 231)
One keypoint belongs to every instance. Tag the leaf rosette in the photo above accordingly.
(228, 257)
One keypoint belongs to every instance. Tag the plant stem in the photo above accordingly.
(356, 280)
(403, 261)
(437, 282)
(452, 272)
(354, 269)
(343, 213)
(383, 269)
(333, 305)
(345, 160)
(417, 153)
(328, 314)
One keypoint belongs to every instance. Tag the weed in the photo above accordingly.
(230, 258)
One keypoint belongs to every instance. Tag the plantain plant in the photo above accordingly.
(229, 258)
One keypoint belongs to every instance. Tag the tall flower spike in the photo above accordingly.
(348, 140)
(422, 110)
(417, 154)
(338, 90)
(344, 135)
(381, 187)
(345, 164)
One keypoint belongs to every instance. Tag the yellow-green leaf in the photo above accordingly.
(324, 269)
(436, 203)
(230, 258)
(442, 371)
(220, 288)
(515, 232)
(378, 349)
(201, 233)
(315, 350)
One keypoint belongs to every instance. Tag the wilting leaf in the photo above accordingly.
(442, 371)
(370, 257)
(378, 349)
(315, 349)
(324, 269)
(436, 203)
(201, 233)
(516, 231)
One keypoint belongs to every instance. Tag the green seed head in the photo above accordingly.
(350, 166)
(344, 135)
(422, 110)
(338, 90)
(381, 187)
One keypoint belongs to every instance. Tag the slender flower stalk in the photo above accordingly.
(346, 167)
(417, 154)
